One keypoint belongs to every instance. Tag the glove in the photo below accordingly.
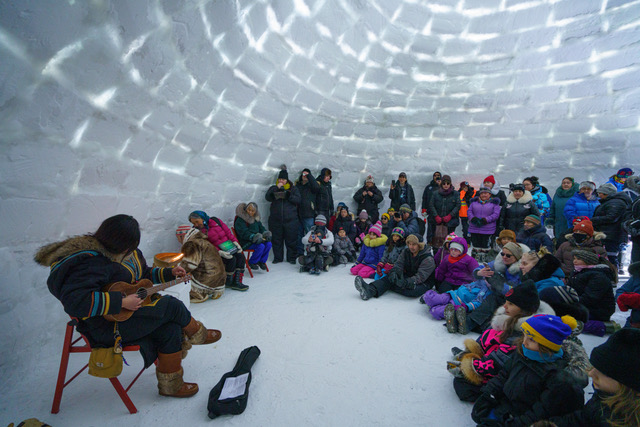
(496, 282)
(267, 236)
(629, 300)
(379, 268)
(476, 221)
(424, 213)
(438, 219)
(225, 254)
(393, 276)
(483, 221)
(483, 407)
(446, 218)
(238, 245)
(257, 238)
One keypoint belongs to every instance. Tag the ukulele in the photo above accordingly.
(144, 289)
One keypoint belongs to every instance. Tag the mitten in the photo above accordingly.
(446, 218)
(438, 219)
(267, 236)
(483, 407)
(379, 268)
(225, 254)
(257, 238)
(483, 221)
(629, 300)
(496, 282)
(358, 240)
(237, 245)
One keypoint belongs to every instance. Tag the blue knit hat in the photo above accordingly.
(624, 172)
(548, 330)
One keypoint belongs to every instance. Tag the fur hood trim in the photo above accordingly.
(500, 267)
(374, 243)
(242, 213)
(597, 235)
(499, 320)
(526, 198)
(52, 252)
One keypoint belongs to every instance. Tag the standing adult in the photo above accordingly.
(434, 185)
(608, 218)
(519, 205)
(308, 188)
(401, 193)
(283, 217)
(444, 206)
(581, 204)
(467, 192)
(556, 218)
(368, 197)
(324, 198)
(532, 185)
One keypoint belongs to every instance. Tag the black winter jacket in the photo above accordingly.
(608, 217)
(324, 198)
(442, 204)
(535, 237)
(428, 193)
(284, 203)
(593, 286)
(308, 194)
(369, 203)
(594, 414)
(514, 211)
(348, 224)
(396, 201)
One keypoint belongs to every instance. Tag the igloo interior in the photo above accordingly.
(156, 108)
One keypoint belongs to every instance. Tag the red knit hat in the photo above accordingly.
(490, 179)
(585, 226)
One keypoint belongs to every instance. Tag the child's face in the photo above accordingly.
(506, 240)
(342, 233)
(373, 236)
(511, 310)
(603, 382)
(577, 261)
(344, 212)
(530, 344)
(395, 238)
(455, 252)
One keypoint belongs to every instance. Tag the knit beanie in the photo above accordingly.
(369, 179)
(385, 215)
(590, 258)
(445, 178)
(588, 184)
(283, 174)
(405, 208)
(402, 175)
(618, 357)
(508, 234)
(450, 238)
(320, 220)
(412, 238)
(181, 231)
(533, 218)
(525, 296)
(376, 229)
(548, 330)
(483, 190)
(608, 189)
(624, 173)
(340, 229)
(456, 245)
(363, 214)
(515, 249)
(490, 179)
(584, 226)
(399, 231)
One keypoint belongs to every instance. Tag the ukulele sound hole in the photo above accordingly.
(142, 293)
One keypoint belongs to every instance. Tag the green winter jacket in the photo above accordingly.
(246, 227)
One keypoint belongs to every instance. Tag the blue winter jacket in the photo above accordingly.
(554, 280)
(541, 201)
(372, 250)
(578, 205)
(471, 295)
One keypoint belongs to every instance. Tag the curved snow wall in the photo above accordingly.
(158, 107)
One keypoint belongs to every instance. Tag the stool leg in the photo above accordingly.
(62, 372)
(246, 261)
(123, 395)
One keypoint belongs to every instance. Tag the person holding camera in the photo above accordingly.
(368, 198)
(401, 193)
(283, 217)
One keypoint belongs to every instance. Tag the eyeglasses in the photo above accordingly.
(505, 255)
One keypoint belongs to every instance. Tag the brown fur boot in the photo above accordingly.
(169, 373)
(198, 334)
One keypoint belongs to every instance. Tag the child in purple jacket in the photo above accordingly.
(457, 268)
(483, 214)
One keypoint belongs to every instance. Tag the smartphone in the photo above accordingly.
(393, 182)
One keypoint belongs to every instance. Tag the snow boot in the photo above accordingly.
(237, 281)
(450, 318)
(363, 288)
(262, 266)
(169, 374)
(461, 316)
(229, 282)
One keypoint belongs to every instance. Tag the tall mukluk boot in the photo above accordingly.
(237, 281)
(169, 373)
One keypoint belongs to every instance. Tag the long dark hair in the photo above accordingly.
(119, 233)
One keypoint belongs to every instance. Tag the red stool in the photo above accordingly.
(69, 347)
(247, 253)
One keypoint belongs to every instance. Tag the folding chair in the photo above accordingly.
(70, 346)
(247, 253)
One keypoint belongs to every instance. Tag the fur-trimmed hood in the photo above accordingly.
(52, 252)
(500, 267)
(499, 320)
(242, 213)
(597, 235)
(526, 198)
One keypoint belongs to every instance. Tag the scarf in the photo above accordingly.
(453, 260)
(536, 356)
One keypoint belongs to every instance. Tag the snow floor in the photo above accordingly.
(328, 359)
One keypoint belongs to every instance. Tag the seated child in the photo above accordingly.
(395, 245)
(371, 253)
(483, 358)
(444, 250)
(533, 384)
(628, 296)
(362, 224)
(387, 227)
(591, 279)
(457, 267)
(616, 381)
(318, 242)
(343, 250)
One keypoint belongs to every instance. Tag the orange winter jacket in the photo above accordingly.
(463, 203)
